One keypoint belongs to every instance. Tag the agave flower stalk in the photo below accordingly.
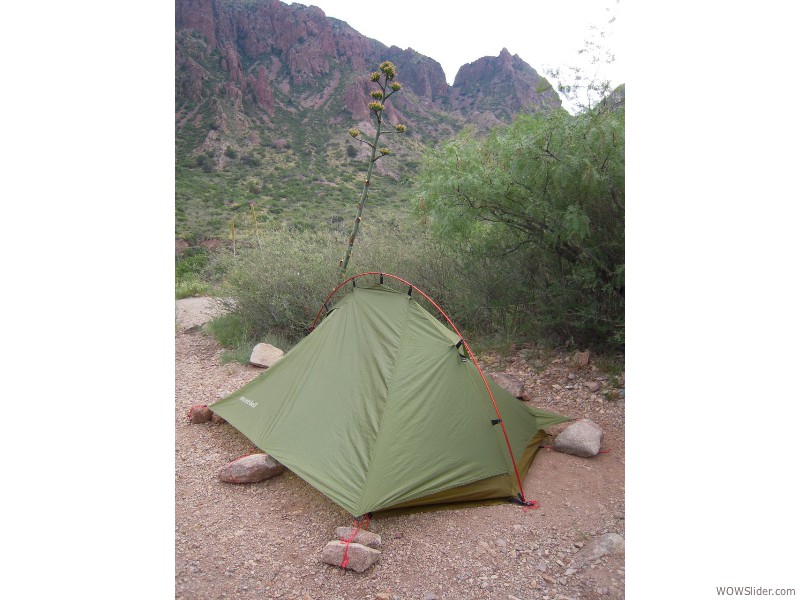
(384, 77)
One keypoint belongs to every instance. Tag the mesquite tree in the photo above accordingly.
(384, 77)
(545, 195)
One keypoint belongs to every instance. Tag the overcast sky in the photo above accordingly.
(544, 34)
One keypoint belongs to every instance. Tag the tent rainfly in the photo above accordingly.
(381, 407)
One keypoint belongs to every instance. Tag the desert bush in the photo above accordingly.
(189, 267)
(191, 285)
(277, 291)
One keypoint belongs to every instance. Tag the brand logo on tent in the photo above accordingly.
(249, 402)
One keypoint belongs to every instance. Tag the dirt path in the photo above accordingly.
(264, 540)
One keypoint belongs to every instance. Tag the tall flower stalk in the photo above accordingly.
(387, 86)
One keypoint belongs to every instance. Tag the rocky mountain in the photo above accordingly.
(265, 93)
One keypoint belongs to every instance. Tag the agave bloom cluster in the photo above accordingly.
(387, 86)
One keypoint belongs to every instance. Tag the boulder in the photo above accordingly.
(251, 469)
(199, 414)
(265, 355)
(598, 547)
(365, 538)
(360, 558)
(509, 383)
(584, 438)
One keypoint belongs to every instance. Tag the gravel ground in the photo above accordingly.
(265, 540)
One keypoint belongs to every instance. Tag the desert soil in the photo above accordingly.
(265, 540)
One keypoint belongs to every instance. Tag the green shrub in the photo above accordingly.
(192, 261)
(278, 290)
(190, 285)
(188, 273)
(230, 330)
(251, 160)
(205, 162)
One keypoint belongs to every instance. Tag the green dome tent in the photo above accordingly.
(380, 407)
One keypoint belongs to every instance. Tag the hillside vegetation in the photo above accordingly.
(516, 233)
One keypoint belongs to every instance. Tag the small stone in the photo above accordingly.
(570, 571)
(581, 358)
(251, 469)
(509, 383)
(265, 355)
(360, 558)
(383, 596)
(548, 579)
(365, 538)
(199, 414)
(592, 386)
(430, 596)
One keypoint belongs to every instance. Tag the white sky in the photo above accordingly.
(544, 34)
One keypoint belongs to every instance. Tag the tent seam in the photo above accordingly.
(403, 340)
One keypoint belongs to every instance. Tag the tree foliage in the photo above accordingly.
(545, 196)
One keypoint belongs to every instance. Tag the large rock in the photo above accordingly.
(584, 438)
(365, 538)
(251, 469)
(360, 558)
(608, 543)
(509, 383)
(265, 355)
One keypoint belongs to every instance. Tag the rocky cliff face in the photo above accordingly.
(249, 52)
(502, 86)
